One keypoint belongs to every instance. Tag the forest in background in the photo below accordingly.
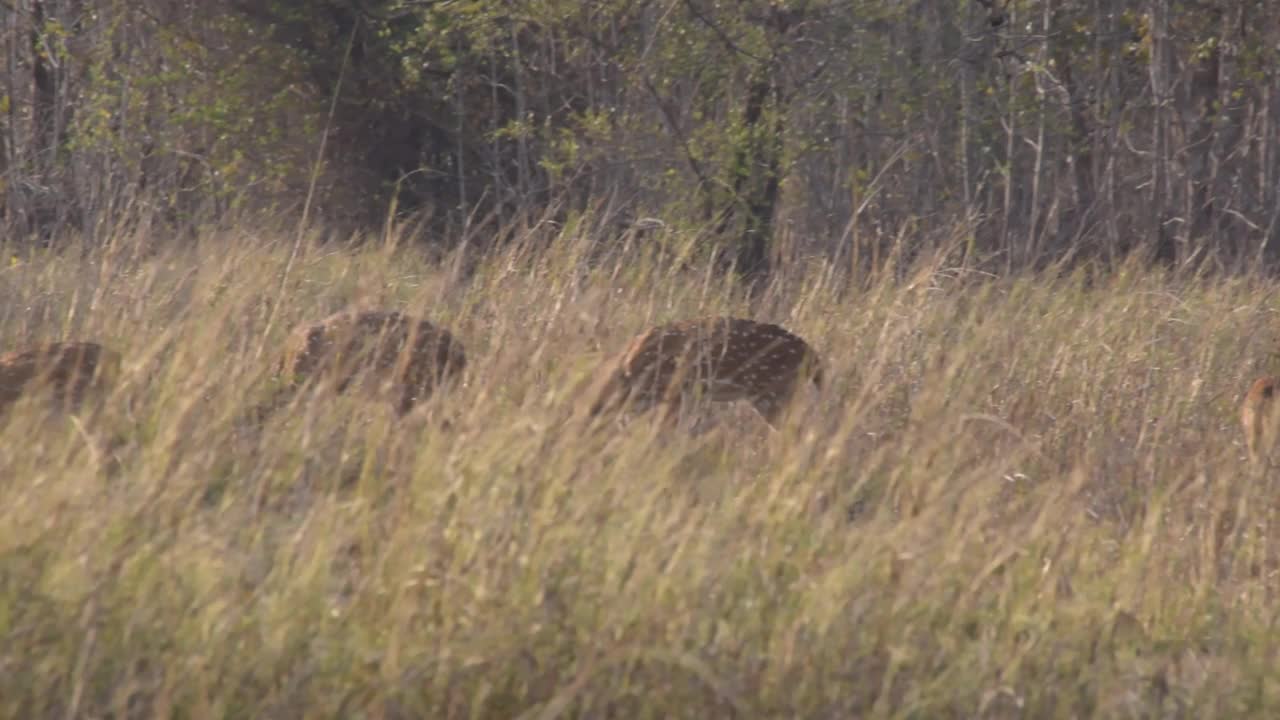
(1020, 493)
(1048, 129)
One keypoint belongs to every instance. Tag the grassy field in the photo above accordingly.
(1015, 497)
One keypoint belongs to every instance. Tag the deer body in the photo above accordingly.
(1260, 417)
(385, 352)
(722, 358)
(69, 369)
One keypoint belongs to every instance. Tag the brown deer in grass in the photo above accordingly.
(721, 358)
(1260, 417)
(69, 370)
(386, 354)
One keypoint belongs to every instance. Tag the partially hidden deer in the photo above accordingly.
(721, 359)
(384, 354)
(68, 371)
(1260, 415)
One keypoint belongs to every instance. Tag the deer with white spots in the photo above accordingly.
(721, 359)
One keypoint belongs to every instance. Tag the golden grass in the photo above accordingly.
(1020, 497)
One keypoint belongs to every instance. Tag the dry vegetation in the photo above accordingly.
(1020, 497)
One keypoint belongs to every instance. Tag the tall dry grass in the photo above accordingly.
(1016, 497)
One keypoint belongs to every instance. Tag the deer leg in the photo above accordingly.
(769, 408)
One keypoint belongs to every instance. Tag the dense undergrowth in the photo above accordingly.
(1015, 497)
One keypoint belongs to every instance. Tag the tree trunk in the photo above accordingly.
(43, 89)
(1164, 244)
(755, 184)
(1204, 104)
(1079, 139)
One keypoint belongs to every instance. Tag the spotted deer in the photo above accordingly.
(1260, 416)
(69, 370)
(385, 353)
(722, 359)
